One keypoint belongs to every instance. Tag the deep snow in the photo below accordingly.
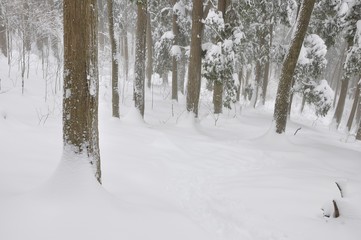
(170, 176)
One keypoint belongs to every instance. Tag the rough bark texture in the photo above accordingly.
(194, 69)
(149, 40)
(218, 84)
(289, 64)
(174, 58)
(115, 67)
(80, 100)
(218, 97)
(140, 43)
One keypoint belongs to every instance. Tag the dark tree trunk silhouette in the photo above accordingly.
(289, 64)
(194, 69)
(115, 67)
(80, 100)
(139, 67)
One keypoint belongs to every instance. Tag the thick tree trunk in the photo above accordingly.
(218, 84)
(149, 40)
(140, 44)
(289, 64)
(194, 69)
(115, 67)
(218, 96)
(80, 99)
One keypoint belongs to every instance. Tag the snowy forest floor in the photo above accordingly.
(171, 177)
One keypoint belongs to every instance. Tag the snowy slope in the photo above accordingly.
(172, 177)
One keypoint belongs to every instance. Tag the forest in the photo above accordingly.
(182, 119)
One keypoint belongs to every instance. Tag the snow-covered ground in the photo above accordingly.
(171, 177)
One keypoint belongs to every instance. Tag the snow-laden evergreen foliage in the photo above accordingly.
(320, 96)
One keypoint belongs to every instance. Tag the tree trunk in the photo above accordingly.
(289, 64)
(217, 96)
(101, 19)
(194, 69)
(303, 103)
(218, 84)
(3, 30)
(125, 42)
(139, 67)
(358, 134)
(267, 69)
(343, 92)
(339, 70)
(174, 58)
(149, 40)
(354, 106)
(240, 81)
(182, 73)
(113, 45)
(165, 78)
(257, 81)
(246, 90)
(80, 99)
(341, 101)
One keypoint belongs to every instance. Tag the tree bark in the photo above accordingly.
(115, 67)
(218, 84)
(218, 97)
(81, 87)
(358, 134)
(194, 69)
(344, 88)
(267, 69)
(125, 42)
(149, 40)
(174, 58)
(182, 73)
(258, 78)
(289, 64)
(341, 101)
(240, 81)
(354, 106)
(140, 44)
(3, 30)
